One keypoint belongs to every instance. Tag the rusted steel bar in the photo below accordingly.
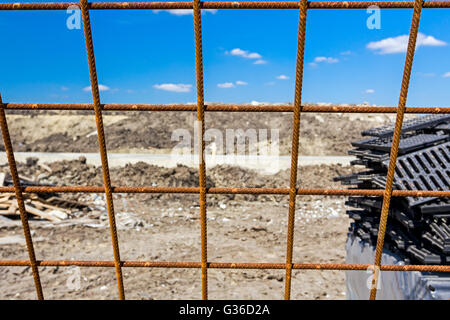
(195, 190)
(20, 203)
(395, 143)
(225, 5)
(295, 145)
(223, 265)
(201, 141)
(102, 144)
(223, 108)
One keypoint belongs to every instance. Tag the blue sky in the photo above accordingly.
(249, 55)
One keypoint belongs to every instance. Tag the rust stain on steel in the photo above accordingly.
(295, 144)
(223, 265)
(201, 152)
(102, 144)
(215, 190)
(17, 189)
(225, 5)
(395, 143)
(223, 108)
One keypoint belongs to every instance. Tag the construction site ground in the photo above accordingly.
(152, 227)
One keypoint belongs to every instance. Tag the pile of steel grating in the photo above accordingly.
(418, 229)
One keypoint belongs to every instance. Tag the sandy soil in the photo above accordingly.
(248, 233)
(240, 229)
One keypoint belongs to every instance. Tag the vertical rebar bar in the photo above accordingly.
(20, 203)
(295, 144)
(102, 144)
(395, 143)
(201, 144)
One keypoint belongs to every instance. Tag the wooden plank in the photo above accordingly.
(2, 178)
(5, 206)
(40, 205)
(6, 197)
(41, 213)
(11, 211)
(7, 213)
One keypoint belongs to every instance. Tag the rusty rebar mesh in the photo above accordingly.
(293, 191)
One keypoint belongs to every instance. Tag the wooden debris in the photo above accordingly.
(51, 208)
(2, 179)
(40, 213)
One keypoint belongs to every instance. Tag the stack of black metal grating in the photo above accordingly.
(418, 229)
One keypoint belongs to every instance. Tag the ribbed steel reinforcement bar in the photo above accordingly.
(226, 5)
(395, 143)
(223, 265)
(101, 142)
(201, 146)
(194, 190)
(295, 143)
(20, 203)
(223, 108)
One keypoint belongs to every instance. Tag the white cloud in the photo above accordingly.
(101, 87)
(180, 87)
(271, 83)
(400, 43)
(446, 75)
(260, 61)
(245, 54)
(318, 60)
(185, 12)
(282, 77)
(346, 53)
(63, 88)
(326, 59)
(225, 85)
(370, 91)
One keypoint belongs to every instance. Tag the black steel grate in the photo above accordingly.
(418, 228)
(427, 169)
(418, 123)
(445, 127)
(408, 143)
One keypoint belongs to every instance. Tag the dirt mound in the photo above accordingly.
(78, 172)
(321, 134)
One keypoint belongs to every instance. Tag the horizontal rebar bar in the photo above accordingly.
(223, 108)
(215, 190)
(226, 5)
(223, 265)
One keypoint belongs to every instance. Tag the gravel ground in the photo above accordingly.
(167, 228)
